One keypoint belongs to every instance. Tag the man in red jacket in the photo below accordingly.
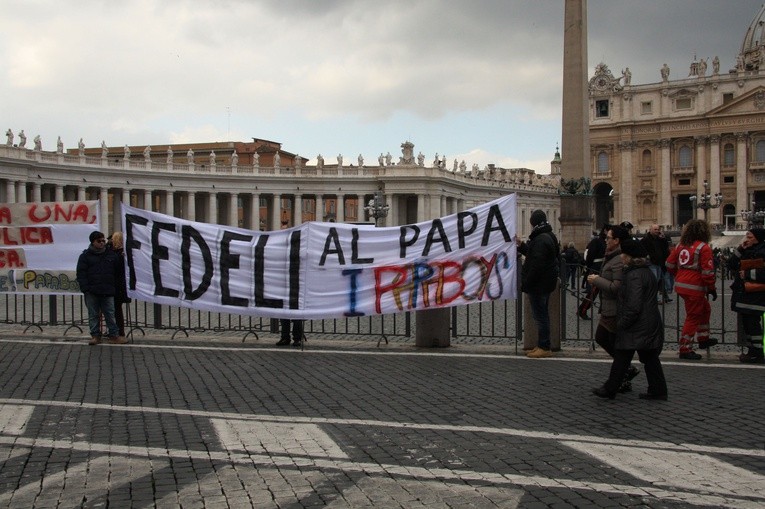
(692, 264)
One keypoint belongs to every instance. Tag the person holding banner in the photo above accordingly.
(539, 274)
(747, 263)
(97, 274)
(120, 287)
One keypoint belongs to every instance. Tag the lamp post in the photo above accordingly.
(376, 207)
(753, 217)
(706, 201)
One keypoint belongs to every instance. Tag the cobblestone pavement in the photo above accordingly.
(216, 423)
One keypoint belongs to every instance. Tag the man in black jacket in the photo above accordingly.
(97, 273)
(539, 274)
(657, 247)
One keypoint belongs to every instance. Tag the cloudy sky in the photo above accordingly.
(478, 80)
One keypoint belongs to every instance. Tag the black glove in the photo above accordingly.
(712, 292)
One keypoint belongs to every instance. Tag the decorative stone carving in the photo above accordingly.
(22, 139)
(9, 137)
(407, 151)
(603, 82)
(38, 143)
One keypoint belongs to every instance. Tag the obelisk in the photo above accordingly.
(577, 210)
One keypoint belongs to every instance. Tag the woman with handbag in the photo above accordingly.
(747, 264)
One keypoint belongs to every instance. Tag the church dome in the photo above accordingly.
(753, 46)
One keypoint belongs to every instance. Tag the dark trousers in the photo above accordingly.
(657, 384)
(606, 339)
(119, 317)
(297, 329)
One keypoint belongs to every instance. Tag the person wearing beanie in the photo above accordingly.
(97, 273)
(639, 327)
(608, 283)
(692, 264)
(747, 263)
(539, 274)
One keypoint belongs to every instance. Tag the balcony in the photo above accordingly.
(683, 171)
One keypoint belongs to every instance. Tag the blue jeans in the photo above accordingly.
(540, 311)
(98, 305)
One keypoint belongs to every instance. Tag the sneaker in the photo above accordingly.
(94, 340)
(539, 353)
(533, 350)
(117, 340)
(283, 342)
(691, 356)
(649, 395)
(703, 345)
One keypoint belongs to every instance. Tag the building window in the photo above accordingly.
(601, 108)
(729, 179)
(602, 162)
(760, 151)
(683, 103)
(686, 157)
(646, 107)
(647, 159)
(729, 155)
(263, 201)
(727, 97)
(684, 182)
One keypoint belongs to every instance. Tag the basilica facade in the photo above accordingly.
(681, 147)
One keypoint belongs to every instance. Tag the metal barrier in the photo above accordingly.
(493, 321)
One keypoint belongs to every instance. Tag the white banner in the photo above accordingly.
(323, 270)
(41, 242)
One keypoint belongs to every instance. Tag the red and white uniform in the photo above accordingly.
(694, 271)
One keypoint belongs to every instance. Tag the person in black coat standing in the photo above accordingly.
(747, 263)
(539, 274)
(639, 326)
(97, 272)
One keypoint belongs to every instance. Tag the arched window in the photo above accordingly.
(729, 155)
(647, 159)
(602, 162)
(686, 156)
(760, 149)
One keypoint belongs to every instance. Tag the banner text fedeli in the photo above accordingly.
(323, 270)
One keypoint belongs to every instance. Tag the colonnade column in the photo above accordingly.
(81, 194)
(276, 212)
(212, 206)
(103, 197)
(191, 206)
(340, 208)
(715, 215)
(21, 192)
(170, 203)
(233, 209)
(125, 199)
(36, 192)
(420, 208)
(388, 219)
(666, 216)
(298, 209)
(360, 208)
(319, 210)
(147, 205)
(58, 193)
(742, 202)
(255, 211)
(10, 191)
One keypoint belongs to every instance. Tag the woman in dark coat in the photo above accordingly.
(120, 285)
(747, 263)
(639, 327)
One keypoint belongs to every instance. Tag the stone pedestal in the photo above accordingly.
(433, 327)
(577, 216)
(530, 333)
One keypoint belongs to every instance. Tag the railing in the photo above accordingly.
(496, 321)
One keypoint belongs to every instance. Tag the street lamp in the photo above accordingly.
(376, 207)
(706, 201)
(753, 217)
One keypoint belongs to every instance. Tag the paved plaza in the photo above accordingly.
(343, 424)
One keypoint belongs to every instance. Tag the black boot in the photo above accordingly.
(283, 342)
